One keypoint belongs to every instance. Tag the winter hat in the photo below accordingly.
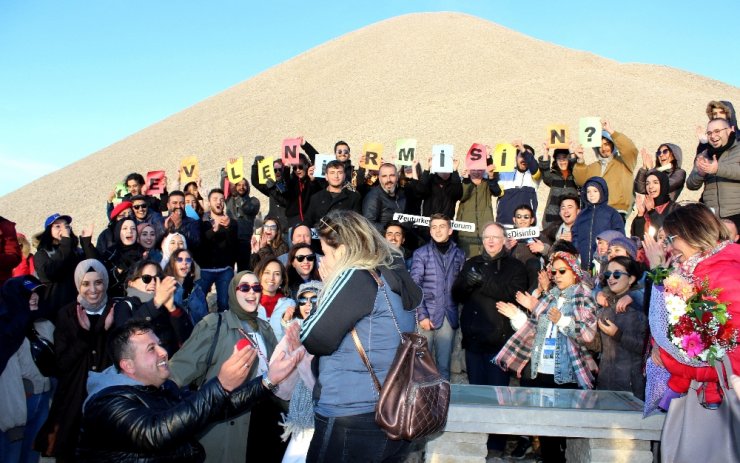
(313, 285)
(122, 206)
(627, 244)
(609, 235)
(571, 260)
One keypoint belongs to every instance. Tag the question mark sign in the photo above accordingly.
(590, 131)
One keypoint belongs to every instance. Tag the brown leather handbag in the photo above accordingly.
(414, 400)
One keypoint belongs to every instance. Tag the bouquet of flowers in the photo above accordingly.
(697, 319)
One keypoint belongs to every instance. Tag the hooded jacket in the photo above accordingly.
(721, 190)
(617, 173)
(733, 123)
(126, 421)
(676, 175)
(517, 188)
(594, 219)
(663, 206)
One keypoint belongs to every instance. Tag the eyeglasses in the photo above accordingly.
(616, 274)
(309, 257)
(715, 131)
(139, 206)
(342, 152)
(147, 278)
(561, 271)
(306, 300)
(244, 288)
(525, 217)
(491, 237)
(188, 260)
(668, 240)
(270, 227)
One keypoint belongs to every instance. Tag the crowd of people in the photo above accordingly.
(146, 325)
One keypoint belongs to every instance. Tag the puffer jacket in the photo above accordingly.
(676, 175)
(378, 206)
(435, 272)
(129, 422)
(592, 220)
(484, 329)
(721, 190)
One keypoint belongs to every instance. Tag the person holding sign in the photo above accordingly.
(274, 189)
(476, 206)
(440, 191)
(300, 185)
(558, 175)
(136, 185)
(519, 248)
(243, 209)
(341, 152)
(519, 186)
(616, 162)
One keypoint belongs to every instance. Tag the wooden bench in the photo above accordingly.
(600, 426)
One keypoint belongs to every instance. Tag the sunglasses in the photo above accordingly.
(664, 151)
(668, 240)
(147, 278)
(305, 300)
(244, 288)
(188, 260)
(139, 206)
(270, 227)
(309, 257)
(616, 274)
(342, 151)
(561, 271)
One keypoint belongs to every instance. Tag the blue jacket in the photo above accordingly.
(517, 188)
(435, 272)
(594, 219)
(195, 304)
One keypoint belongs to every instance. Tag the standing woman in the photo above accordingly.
(302, 267)
(188, 295)
(55, 261)
(700, 242)
(354, 251)
(558, 175)
(654, 206)
(668, 160)
(226, 441)
(81, 344)
(548, 349)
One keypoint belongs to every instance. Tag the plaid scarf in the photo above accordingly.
(573, 361)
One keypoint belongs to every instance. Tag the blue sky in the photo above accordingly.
(77, 76)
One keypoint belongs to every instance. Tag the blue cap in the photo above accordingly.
(56, 216)
(31, 283)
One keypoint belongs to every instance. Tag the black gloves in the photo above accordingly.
(473, 278)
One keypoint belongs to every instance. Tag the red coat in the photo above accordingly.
(25, 267)
(723, 271)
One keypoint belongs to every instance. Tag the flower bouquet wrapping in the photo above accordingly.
(696, 318)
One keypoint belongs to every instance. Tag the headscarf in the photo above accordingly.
(241, 314)
(166, 251)
(86, 266)
(570, 260)
(664, 195)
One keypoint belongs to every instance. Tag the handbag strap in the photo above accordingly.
(724, 368)
(365, 359)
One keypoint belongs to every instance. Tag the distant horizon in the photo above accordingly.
(80, 77)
